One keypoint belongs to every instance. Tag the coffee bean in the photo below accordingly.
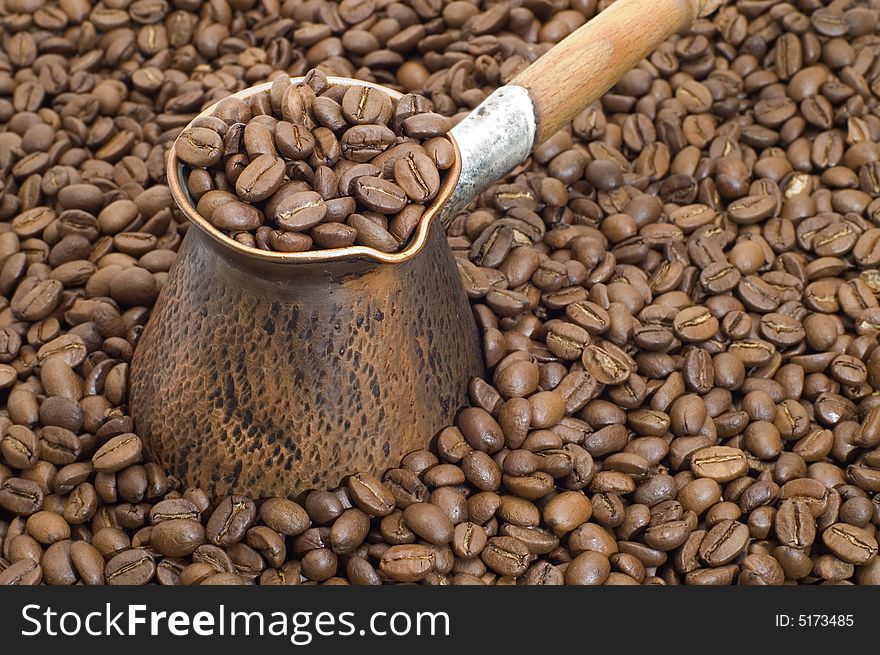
(260, 179)
(469, 539)
(369, 233)
(370, 495)
(284, 516)
(199, 147)
(293, 141)
(753, 209)
(35, 300)
(723, 542)
(130, 567)
(20, 447)
(21, 496)
(117, 453)
(719, 463)
(177, 537)
(23, 572)
(849, 543)
(606, 363)
(300, 211)
(795, 526)
(173, 509)
(407, 563)
(362, 143)
(257, 139)
(481, 471)
(518, 379)
(364, 105)
(379, 195)
(88, 562)
(518, 512)
(269, 544)
(426, 125)
(695, 324)
(334, 235)
(417, 175)
(567, 511)
(589, 568)
(47, 527)
(230, 521)
(506, 556)
(349, 531)
(429, 523)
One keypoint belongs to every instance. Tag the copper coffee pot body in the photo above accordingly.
(277, 379)
(275, 373)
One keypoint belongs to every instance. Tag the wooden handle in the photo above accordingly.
(583, 66)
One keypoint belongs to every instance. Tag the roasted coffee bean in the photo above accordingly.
(260, 179)
(506, 556)
(429, 523)
(719, 463)
(695, 324)
(230, 521)
(131, 567)
(293, 141)
(567, 511)
(199, 147)
(22, 572)
(20, 447)
(606, 363)
(177, 537)
(173, 508)
(34, 300)
(379, 195)
(406, 487)
(370, 494)
(426, 125)
(371, 234)
(349, 531)
(589, 568)
(88, 562)
(407, 563)
(117, 453)
(269, 544)
(849, 543)
(468, 540)
(363, 143)
(47, 527)
(417, 175)
(300, 211)
(724, 542)
(364, 105)
(21, 496)
(795, 526)
(257, 140)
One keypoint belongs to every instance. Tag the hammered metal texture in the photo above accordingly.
(273, 379)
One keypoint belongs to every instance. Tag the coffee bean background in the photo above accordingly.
(677, 295)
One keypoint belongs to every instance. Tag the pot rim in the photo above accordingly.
(185, 202)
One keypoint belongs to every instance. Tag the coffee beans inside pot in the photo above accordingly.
(314, 165)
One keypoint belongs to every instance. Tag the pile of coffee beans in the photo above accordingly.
(317, 165)
(677, 296)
